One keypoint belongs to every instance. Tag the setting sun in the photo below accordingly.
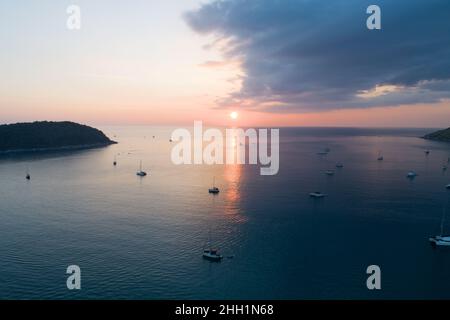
(234, 115)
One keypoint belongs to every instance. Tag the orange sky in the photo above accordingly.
(429, 116)
(116, 72)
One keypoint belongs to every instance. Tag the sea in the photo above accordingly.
(143, 238)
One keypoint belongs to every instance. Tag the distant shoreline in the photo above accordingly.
(63, 148)
(440, 135)
(41, 136)
(435, 140)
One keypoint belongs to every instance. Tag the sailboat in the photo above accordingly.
(380, 157)
(214, 189)
(411, 174)
(28, 176)
(324, 152)
(210, 253)
(440, 240)
(140, 172)
(317, 194)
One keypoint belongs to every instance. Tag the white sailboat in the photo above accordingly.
(141, 173)
(210, 253)
(441, 240)
(317, 194)
(411, 174)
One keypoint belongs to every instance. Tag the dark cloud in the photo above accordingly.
(303, 55)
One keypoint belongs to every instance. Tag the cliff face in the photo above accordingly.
(441, 135)
(49, 135)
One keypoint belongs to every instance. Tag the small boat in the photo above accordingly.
(209, 252)
(28, 176)
(380, 158)
(141, 173)
(115, 161)
(339, 165)
(214, 189)
(212, 255)
(427, 152)
(329, 172)
(440, 240)
(447, 186)
(317, 194)
(411, 174)
(444, 168)
(324, 151)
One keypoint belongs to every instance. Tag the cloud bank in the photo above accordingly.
(304, 55)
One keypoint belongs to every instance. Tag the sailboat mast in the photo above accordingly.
(443, 217)
(209, 237)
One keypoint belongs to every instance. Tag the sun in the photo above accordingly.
(234, 115)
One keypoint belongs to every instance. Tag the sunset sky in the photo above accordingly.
(276, 63)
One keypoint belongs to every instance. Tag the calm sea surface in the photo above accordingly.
(142, 238)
